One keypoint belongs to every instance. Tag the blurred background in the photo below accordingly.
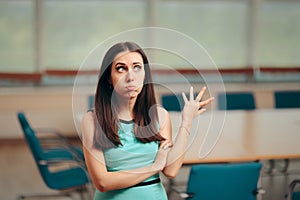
(255, 45)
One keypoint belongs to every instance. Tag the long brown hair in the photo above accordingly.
(106, 134)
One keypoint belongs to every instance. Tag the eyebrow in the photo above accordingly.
(120, 63)
(137, 63)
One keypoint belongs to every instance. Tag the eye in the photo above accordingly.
(120, 68)
(137, 67)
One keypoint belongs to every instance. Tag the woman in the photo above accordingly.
(128, 138)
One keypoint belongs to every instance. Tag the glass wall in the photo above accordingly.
(74, 28)
(237, 34)
(16, 36)
(279, 37)
(219, 26)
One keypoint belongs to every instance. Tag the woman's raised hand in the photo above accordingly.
(193, 107)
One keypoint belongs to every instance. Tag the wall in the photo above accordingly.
(52, 106)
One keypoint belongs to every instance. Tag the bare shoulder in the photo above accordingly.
(162, 112)
(164, 117)
(88, 123)
(88, 129)
(88, 117)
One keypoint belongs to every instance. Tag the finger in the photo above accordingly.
(163, 143)
(202, 110)
(167, 147)
(204, 103)
(166, 144)
(191, 93)
(200, 94)
(184, 98)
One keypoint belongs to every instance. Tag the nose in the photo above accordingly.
(129, 76)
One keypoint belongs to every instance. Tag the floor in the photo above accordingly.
(19, 175)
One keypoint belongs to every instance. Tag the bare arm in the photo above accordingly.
(105, 180)
(190, 111)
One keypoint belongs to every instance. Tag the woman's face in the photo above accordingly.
(128, 74)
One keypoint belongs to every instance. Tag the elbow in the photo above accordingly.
(170, 174)
(102, 187)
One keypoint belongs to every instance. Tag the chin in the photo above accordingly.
(133, 94)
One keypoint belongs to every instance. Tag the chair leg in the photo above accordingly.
(270, 169)
(90, 190)
(86, 192)
(40, 196)
(81, 195)
(285, 166)
(170, 188)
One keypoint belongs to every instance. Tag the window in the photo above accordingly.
(279, 34)
(74, 28)
(17, 33)
(241, 36)
(219, 26)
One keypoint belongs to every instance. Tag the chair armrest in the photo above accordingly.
(59, 162)
(64, 153)
(50, 136)
(291, 187)
(259, 191)
(50, 132)
(70, 151)
(63, 162)
(185, 195)
(51, 139)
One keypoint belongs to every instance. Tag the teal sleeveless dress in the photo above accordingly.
(130, 155)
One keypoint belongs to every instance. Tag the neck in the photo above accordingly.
(125, 108)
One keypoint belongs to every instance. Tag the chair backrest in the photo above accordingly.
(172, 102)
(287, 99)
(60, 178)
(91, 101)
(296, 195)
(236, 101)
(34, 145)
(234, 181)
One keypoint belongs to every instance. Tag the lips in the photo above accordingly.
(131, 88)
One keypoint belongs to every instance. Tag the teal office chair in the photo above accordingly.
(292, 194)
(172, 102)
(234, 181)
(60, 164)
(287, 99)
(284, 100)
(91, 99)
(236, 101)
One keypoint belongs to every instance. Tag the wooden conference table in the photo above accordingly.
(265, 134)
